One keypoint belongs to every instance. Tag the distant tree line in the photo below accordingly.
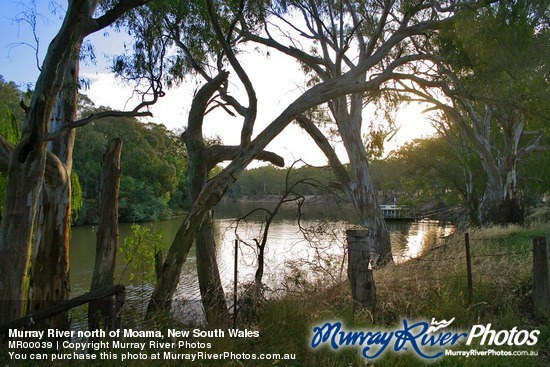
(153, 161)
(270, 180)
(154, 182)
(423, 173)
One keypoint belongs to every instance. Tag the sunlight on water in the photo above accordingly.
(410, 240)
(318, 250)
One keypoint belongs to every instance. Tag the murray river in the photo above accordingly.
(316, 246)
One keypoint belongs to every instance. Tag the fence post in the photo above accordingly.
(541, 276)
(360, 276)
(469, 266)
(235, 280)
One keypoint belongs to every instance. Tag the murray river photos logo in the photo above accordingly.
(427, 340)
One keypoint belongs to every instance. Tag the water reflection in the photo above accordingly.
(286, 244)
(411, 239)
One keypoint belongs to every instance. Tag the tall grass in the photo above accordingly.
(433, 286)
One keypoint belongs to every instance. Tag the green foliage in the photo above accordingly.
(152, 167)
(139, 202)
(11, 117)
(150, 25)
(10, 98)
(500, 55)
(10, 131)
(421, 171)
(534, 176)
(139, 251)
(10, 113)
(76, 196)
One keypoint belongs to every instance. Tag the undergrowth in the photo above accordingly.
(432, 286)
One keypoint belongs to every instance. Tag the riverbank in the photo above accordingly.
(432, 286)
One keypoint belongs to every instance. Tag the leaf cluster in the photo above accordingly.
(139, 250)
(500, 53)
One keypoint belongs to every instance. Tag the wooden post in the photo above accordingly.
(101, 312)
(360, 276)
(541, 276)
(468, 266)
(235, 279)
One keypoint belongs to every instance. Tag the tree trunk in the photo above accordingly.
(24, 180)
(215, 188)
(473, 200)
(360, 189)
(210, 285)
(100, 312)
(212, 293)
(27, 164)
(49, 279)
(502, 202)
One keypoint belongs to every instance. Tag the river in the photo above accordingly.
(287, 251)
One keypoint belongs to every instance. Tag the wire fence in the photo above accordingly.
(476, 263)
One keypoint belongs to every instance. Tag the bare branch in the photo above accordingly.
(325, 146)
(252, 109)
(113, 14)
(220, 153)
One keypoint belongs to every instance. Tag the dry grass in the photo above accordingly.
(435, 285)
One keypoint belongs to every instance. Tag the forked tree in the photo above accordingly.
(362, 76)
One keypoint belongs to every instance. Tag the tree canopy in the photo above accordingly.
(153, 164)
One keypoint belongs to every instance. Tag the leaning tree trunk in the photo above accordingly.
(210, 285)
(212, 293)
(215, 188)
(49, 278)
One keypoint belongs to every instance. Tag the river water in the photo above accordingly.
(317, 246)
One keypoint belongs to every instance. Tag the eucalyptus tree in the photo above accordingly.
(29, 161)
(371, 70)
(330, 38)
(49, 274)
(202, 45)
(492, 87)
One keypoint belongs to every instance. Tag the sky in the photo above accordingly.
(277, 79)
